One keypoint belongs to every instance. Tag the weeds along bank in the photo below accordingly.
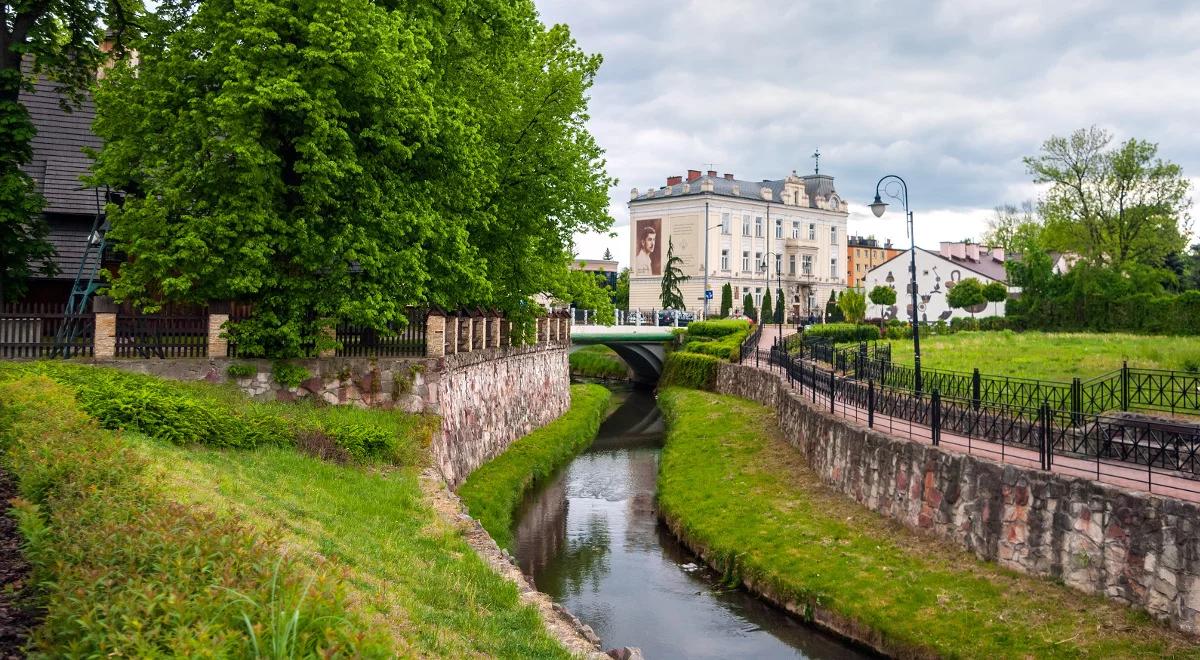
(735, 491)
(162, 517)
(494, 491)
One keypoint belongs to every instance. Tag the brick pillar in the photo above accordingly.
(435, 336)
(494, 334)
(464, 334)
(478, 333)
(451, 335)
(218, 346)
(564, 329)
(104, 342)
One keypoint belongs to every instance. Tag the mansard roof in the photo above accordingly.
(816, 187)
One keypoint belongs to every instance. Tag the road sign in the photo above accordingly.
(708, 294)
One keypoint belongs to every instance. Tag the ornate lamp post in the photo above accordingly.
(878, 207)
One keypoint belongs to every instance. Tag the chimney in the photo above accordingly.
(946, 250)
(693, 175)
(998, 254)
(972, 250)
(675, 180)
(712, 173)
(728, 176)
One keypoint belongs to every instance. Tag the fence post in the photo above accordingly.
(935, 417)
(1044, 433)
(435, 334)
(975, 388)
(104, 339)
(832, 386)
(1125, 386)
(1076, 401)
(870, 403)
(218, 346)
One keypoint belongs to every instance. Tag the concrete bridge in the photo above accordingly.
(641, 347)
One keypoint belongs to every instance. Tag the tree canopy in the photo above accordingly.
(967, 294)
(883, 296)
(853, 305)
(342, 159)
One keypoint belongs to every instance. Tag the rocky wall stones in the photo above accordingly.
(1136, 548)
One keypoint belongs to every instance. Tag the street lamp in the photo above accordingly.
(878, 207)
(765, 266)
(707, 228)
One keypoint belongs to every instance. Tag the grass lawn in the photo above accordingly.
(598, 361)
(493, 492)
(737, 488)
(1050, 356)
(407, 572)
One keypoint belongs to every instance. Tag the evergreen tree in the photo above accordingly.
(748, 308)
(726, 299)
(779, 306)
(672, 277)
(767, 315)
(832, 313)
(607, 254)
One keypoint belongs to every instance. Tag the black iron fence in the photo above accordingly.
(1124, 449)
(40, 330)
(750, 343)
(1126, 389)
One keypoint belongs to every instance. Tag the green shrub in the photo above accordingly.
(126, 571)
(716, 329)
(690, 370)
(288, 374)
(597, 362)
(840, 333)
(241, 370)
(727, 348)
(493, 492)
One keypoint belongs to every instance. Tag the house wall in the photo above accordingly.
(934, 275)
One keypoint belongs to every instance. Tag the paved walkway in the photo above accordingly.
(1125, 475)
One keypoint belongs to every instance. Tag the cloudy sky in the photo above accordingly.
(950, 95)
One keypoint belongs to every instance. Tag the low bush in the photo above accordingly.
(727, 348)
(493, 492)
(288, 374)
(692, 370)
(241, 370)
(125, 571)
(718, 328)
(839, 333)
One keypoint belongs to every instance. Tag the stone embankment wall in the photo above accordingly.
(1136, 548)
(486, 398)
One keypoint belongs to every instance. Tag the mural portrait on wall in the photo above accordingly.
(647, 258)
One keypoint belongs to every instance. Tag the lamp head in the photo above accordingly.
(878, 206)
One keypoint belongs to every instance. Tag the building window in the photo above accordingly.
(725, 222)
(779, 263)
(833, 271)
(725, 259)
(778, 229)
(745, 225)
(833, 235)
(758, 261)
(806, 264)
(812, 231)
(758, 296)
(791, 264)
(795, 229)
(745, 261)
(758, 226)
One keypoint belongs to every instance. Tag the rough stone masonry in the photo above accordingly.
(1135, 548)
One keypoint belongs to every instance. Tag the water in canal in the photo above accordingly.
(591, 539)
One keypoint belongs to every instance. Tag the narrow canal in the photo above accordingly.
(590, 537)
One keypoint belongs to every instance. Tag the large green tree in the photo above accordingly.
(669, 295)
(853, 305)
(59, 40)
(1003, 226)
(341, 159)
(967, 294)
(1118, 207)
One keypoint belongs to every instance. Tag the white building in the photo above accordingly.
(760, 234)
(937, 273)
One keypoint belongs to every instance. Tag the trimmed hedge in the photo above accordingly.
(839, 333)
(126, 571)
(185, 413)
(689, 370)
(493, 492)
(719, 328)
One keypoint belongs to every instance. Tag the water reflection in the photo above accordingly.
(591, 539)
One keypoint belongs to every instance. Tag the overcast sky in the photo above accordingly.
(950, 95)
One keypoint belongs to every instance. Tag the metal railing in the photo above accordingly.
(750, 343)
(1156, 454)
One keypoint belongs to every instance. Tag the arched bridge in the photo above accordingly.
(640, 346)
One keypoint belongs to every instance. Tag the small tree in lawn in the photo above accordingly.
(767, 315)
(748, 308)
(726, 300)
(966, 294)
(672, 277)
(883, 296)
(995, 292)
(779, 306)
(853, 305)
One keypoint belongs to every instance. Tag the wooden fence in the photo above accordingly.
(32, 330)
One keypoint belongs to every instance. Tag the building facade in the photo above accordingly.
(608, 269)
(863, 254)
(937, 273)
(753, 235)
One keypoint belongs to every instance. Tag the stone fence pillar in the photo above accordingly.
(218, 346)
(435, 335)
(104, 341)
(478, 332)
(494, 330)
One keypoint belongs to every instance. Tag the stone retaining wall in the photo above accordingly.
(1136, 548)
(486, 398)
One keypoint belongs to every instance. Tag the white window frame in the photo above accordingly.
(758, 226)
(806, 265)
(745, 224)
(725, 223)
(796, 229)
(833, 235)
(812, 231)
(724, 258)
(833, 267)
(791, 264)
(778, 229)
(745, 261)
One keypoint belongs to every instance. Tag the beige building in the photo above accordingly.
(791, 231)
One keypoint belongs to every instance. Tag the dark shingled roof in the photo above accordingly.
(818, 186)
(59, 161)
